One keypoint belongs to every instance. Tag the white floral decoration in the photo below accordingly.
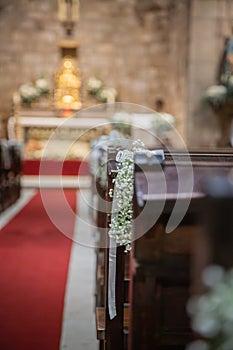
(95, 87)
(216, 90)
(94, 84)
(28, 92)
(42, 85)
(215, 95)
(107, 95)
(163, 122)
(212, 313)
(122, 210)
(121, 121)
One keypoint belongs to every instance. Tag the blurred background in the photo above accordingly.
(142, 50)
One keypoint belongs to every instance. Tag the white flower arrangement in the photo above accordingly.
(95, 87)
(216, 95)
(32, 92)
(107, 95)
(42, 85)
(212, 312)
(163, 122)
(94, 84)
(28, 93)
(220, 94)
(121, 121)
(122, 207)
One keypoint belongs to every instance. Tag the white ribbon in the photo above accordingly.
(112, 279)
(120, 157)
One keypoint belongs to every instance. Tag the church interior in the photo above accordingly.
(116, 174)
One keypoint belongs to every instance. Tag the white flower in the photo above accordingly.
(42, 85)
(108, 95)
(94, 84)
(28, 92)
(163, 122)
(216, 90)
(168, 118)
(121, 121)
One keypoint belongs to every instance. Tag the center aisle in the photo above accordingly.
(34, 260)
(23, 289)
(79, 332)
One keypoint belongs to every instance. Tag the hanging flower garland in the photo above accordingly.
(122, 207)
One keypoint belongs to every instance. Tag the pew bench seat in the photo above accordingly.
(100, 322)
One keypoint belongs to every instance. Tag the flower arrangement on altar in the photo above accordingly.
(163, 122)
(94, 84)
(212, 312)
(96, 87)
(219, 95)
(28, 93)
(31, 92)
(121, 121)
(42, 86)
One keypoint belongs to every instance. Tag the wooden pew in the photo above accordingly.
(215, 255)
(160, 263)
(10, 173)
(100, 220)
(160, 266)
(111, 332)
(216, 238)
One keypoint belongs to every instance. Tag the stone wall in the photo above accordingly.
(29, 32)
(140, 53)
(210, 23)
(145, 49)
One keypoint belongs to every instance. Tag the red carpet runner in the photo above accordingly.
(52, 167)
(34, 258)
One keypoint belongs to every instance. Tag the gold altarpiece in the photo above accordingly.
(67, 90)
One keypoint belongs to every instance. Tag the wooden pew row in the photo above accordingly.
(110, 333)
(213, 254)
(216, 237)
(10, 173)
(159, 264)
(102, 220)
